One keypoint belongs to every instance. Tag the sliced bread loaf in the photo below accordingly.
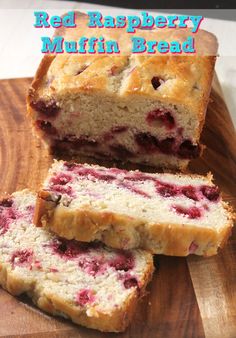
(93, 285)
(164, 213)
(147, 109)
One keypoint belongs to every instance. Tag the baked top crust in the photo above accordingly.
(185, 80)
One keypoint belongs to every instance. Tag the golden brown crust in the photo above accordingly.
(117, 321)
(123, 232)
(119, 231)
(43, 202)
(41, 71)
(12, 283)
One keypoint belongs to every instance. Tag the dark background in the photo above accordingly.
(168, 4)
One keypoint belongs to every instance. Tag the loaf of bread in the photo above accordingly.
(163, 213)
(144, 109)
(92, 285)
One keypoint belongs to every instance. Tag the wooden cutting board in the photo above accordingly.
(193, 297)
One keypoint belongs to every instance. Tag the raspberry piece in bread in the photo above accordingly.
(89, 283)
(164, 213)
(142, 109)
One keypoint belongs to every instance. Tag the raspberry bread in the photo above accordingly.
(92, 285)
(136, 108)
(163, 213)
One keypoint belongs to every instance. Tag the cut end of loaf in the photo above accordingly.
(140, 131)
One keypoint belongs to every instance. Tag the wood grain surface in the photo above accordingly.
(192, 298)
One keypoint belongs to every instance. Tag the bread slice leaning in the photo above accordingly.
(91, 284)
(163, 213)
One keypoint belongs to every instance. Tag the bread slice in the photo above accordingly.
(163, 213)
(89, 283)
(146, 109)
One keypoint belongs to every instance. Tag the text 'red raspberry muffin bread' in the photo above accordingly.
(163, 213)
(87, 282)
(142, 109)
